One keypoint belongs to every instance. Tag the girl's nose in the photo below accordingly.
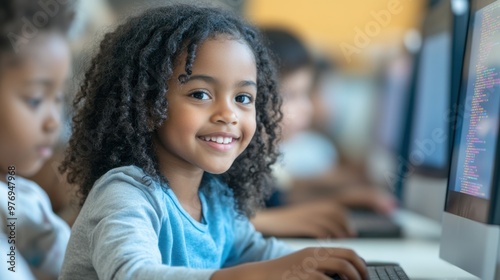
(52, 120)
(225, 113)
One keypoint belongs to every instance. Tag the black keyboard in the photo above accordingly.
(392, 272)
(379, 272)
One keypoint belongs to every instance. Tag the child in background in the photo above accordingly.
(308, 158)
(34, 64)
(87, 28)
(174, 135)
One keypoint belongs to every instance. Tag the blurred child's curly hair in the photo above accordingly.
(17, 16)
(122, 99)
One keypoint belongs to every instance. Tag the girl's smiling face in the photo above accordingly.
(211, 117)
(31, 92)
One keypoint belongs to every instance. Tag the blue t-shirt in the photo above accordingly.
(129, 230)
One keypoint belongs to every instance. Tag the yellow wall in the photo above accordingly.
(332, 23)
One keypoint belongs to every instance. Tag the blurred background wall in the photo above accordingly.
(331, 25)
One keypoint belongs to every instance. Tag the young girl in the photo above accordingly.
(34, 64)
(173, 140)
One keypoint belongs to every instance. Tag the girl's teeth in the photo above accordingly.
(220, 139)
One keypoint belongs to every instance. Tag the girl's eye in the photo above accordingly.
(244, 99)
(200, 95)
(33, 102)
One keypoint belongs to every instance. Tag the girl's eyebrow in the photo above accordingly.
(204, 78)
(212, 80)
(247, 83)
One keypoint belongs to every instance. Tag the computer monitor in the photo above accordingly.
(471, 219)
(391, 120)
(429, 130)
(394, 103)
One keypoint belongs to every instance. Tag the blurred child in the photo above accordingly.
(174, 136)
(308, 158)
(93, 17)
(34, 63)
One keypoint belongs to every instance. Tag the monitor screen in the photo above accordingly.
(430, 127)
(428, 133)
(476, 136)
(394, 104)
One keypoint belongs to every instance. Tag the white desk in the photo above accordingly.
(417, 253)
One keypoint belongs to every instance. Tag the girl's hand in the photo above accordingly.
(317, 219)
(310, 263)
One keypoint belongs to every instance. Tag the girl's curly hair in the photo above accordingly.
(122, 100)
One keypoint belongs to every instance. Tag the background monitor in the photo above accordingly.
(470, 237)
(391, 120)
(394, 104)
(428, 146)
(433, 99)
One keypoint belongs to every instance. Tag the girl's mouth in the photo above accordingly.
(217, 139)
(219, 143)
(45, 151)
